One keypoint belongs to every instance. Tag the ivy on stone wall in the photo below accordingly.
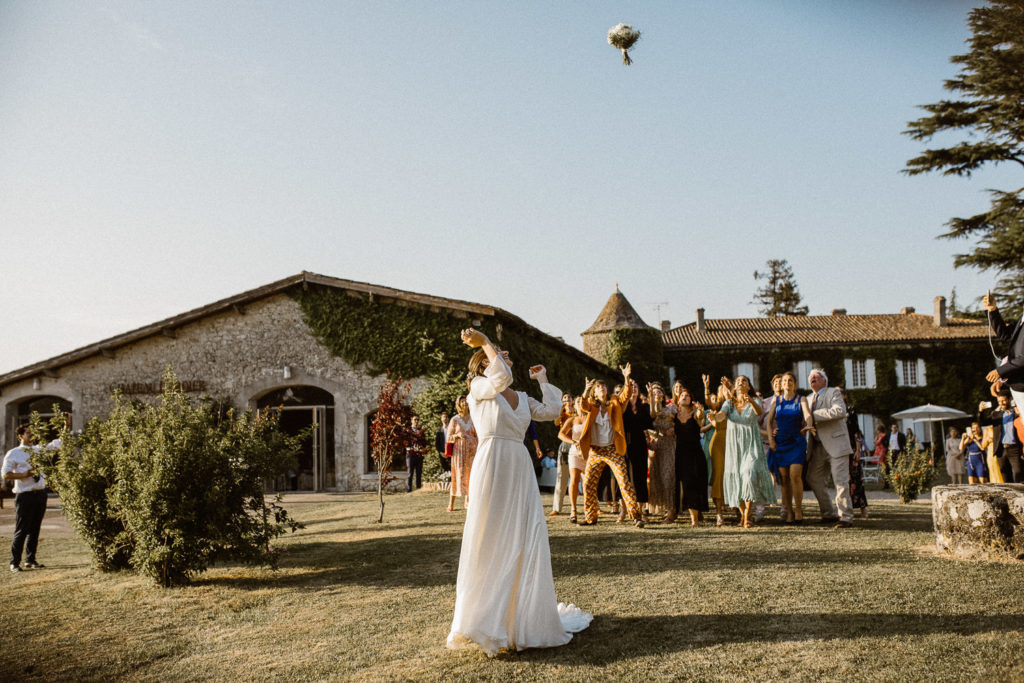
(413, 341)
(954, 372)
(642, 348)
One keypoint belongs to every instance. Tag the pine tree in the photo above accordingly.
(779, 295)
(989, 114)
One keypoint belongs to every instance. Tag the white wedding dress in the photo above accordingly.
(505, 594)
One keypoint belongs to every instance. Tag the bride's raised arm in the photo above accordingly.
(550, 405)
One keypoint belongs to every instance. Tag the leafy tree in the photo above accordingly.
(988, 113)
(779, 295)
(167, 489)
(439, 397)
(388, 432)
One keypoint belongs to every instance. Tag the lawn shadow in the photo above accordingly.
(400, 561)
(678, 633)
(605, 554)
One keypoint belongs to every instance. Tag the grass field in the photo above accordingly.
(354, 600)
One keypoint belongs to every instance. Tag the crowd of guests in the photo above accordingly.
(663, 454)
(656, 453)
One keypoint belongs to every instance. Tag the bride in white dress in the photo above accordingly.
(505, 594)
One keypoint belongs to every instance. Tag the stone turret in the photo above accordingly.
(617, 314)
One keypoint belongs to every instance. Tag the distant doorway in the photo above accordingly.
(301, 407)
(21, 413)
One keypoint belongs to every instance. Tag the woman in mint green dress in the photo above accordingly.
(746, 481)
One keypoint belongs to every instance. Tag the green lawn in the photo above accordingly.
(357, 600)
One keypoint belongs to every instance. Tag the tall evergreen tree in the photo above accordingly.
(779, 295)
(989, 114)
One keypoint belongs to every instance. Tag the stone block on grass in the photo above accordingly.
(984, 521)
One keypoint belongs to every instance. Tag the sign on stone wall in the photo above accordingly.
(153, 388)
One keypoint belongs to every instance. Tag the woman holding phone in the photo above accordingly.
(505, 592)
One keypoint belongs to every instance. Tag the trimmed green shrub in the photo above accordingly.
(167, 489)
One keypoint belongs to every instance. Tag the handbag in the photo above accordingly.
(449, 449)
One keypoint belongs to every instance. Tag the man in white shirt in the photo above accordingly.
(29, 500)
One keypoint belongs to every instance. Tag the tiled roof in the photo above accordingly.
(304, 279)
(617, 314)
(822, 329)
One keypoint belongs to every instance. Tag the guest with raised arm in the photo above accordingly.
(663, 458)
(789, 418)
(716, 446)
(691, 468)
(636, 420)
(974, 445)
(570, 434)
(746, 481)
(1011, 368)
(604, 442)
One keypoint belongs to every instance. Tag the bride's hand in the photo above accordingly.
(539, 373)
(473, 338)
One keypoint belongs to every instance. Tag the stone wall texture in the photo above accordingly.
(980, 521)
(238, 356)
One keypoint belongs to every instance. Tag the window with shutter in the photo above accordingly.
(857, 374)
(909, 372)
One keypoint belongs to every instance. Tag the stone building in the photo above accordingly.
(255, 349)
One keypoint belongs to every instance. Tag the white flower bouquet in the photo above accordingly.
(623, 37)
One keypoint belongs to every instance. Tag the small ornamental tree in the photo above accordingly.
(388, 432)
(168, 489)
(439, 397)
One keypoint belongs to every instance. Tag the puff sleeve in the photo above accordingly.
(550, 405)
(496, 378)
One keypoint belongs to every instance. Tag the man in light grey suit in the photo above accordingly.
(828, 450)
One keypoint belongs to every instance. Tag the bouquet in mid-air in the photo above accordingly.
(623, 37)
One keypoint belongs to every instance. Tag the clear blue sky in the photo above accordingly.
(157, 156)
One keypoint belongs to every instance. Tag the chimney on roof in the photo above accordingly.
(906, 310)
(665, 326)
(940, 311)
(838, 311)
(700, 320)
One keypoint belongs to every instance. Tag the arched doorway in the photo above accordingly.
(300, 407)
(21, 413)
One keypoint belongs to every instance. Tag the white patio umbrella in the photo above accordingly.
(931, 413)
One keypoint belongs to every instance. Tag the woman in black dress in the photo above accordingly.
(691, 465)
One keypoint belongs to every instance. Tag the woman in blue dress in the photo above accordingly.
(746, 481)
(974, 445)
(789, 417)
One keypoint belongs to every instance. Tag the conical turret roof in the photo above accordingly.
(617, 314)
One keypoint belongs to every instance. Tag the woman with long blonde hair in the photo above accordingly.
(663, 458)
(571, 433)
(746, 481)
(462, 436)
(789, 418)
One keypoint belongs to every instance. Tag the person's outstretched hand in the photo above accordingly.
(473, 338)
